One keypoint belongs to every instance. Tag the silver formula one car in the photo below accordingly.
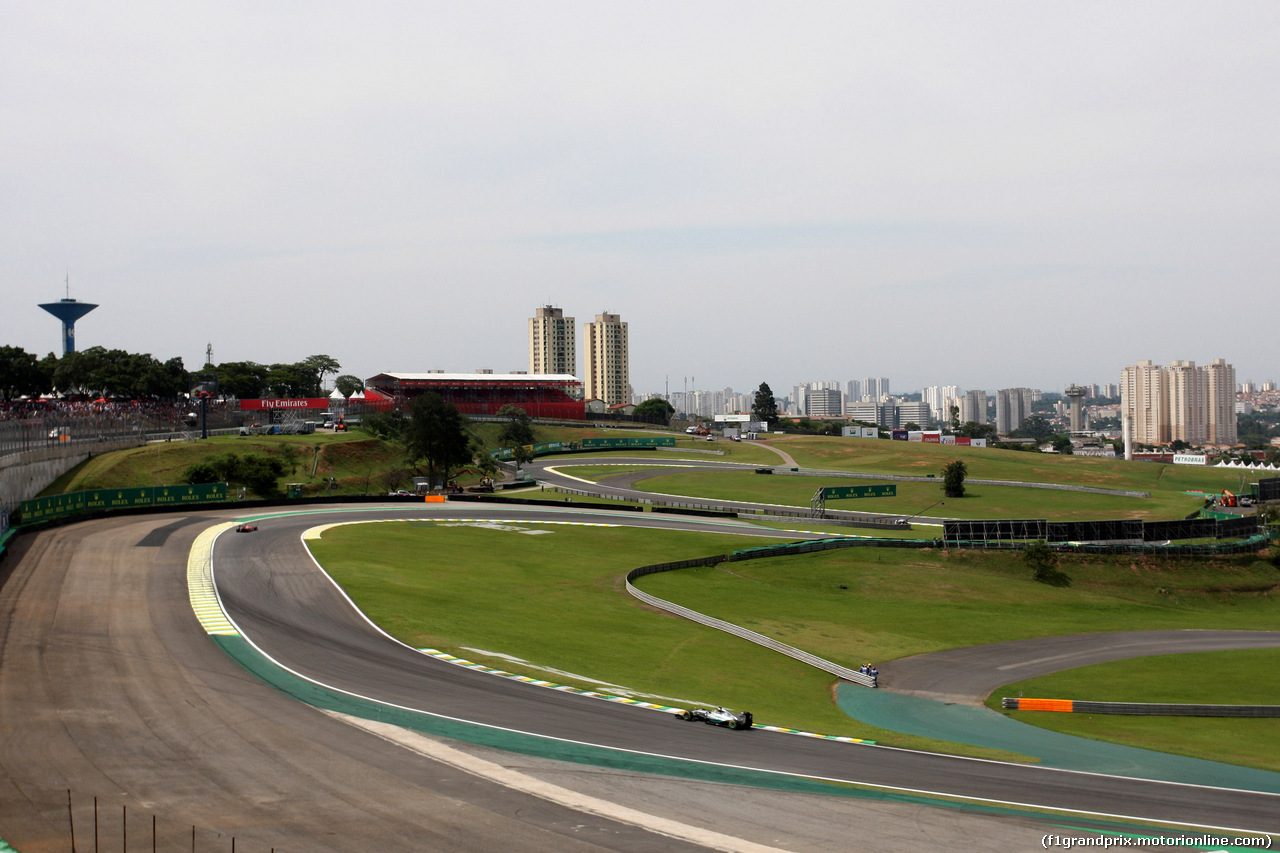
(719, 717)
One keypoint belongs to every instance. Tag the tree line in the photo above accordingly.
(116, 373)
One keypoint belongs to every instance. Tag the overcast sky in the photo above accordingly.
(979, 194)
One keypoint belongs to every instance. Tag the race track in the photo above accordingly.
(109, 687)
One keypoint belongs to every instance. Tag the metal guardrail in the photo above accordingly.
(1141, 709)
(1061, 487)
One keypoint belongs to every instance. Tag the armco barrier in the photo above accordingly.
(909, 478)
(1143, 709)
(835, 669)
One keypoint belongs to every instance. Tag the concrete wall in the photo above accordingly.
(25, 475)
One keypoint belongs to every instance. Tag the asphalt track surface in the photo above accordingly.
(109, 687)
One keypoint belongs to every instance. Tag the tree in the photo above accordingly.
(955, 417)
(517, 430)
(973, 429)
(244, 380)
(953, 474)
(1036, 426)
(764, 407)
(255, 470)
(20, 374)
(348, 384)
(319, 366)
(655, 410)
(436, 433)
(522, 454)
(911, 426)
(1062, 444)
(1043, 563)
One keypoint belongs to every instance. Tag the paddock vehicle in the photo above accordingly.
(719, 717)
(246, 528)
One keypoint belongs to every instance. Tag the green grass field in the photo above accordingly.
(555, 601)
(903, 457)
(1248, 677)
(979, 501)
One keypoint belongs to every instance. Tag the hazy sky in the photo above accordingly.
(980, 194)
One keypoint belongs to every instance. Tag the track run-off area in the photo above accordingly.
(247, 696)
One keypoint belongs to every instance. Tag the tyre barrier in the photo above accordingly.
(1144, 709)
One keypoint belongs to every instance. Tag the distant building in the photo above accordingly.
(553, 346)
(607, 374)
(912, 413)
(1220, 405)
(825, 402)
(1013, 406)
(936, 396)
(1181, 402)
(875, 389)
(872, 413)
(974, 407)
(541, 396)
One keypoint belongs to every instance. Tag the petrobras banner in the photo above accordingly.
(321, 403)
(868, 432)
(1190, 459)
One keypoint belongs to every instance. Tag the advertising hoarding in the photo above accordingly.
(58, 506)
(321, 403)
(898, 435)
(839, 493)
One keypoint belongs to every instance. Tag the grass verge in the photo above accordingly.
(1246, 677)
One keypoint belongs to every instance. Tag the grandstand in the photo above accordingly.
(541, 395)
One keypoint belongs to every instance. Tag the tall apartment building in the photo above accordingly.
(1180, 402)
(607, 376)
(1013, 406)
(875, 390)
(1221, 404)
(1144, 398)
(853, 391)
(553, 345)
(974, 407)
(936, 396)
(1188, 388)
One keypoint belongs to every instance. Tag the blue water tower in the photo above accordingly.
(68, 311)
